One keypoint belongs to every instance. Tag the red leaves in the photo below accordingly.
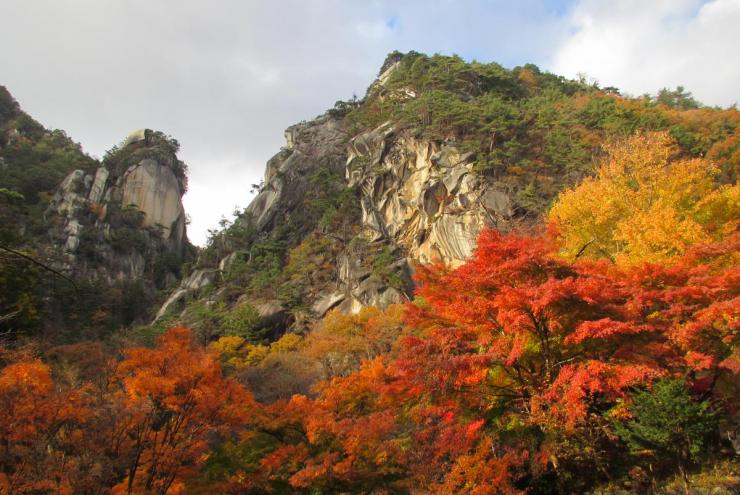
(604, 328)
(474, 427)
(577, 330)
(696, 304)
(576, 385)
(516, 351)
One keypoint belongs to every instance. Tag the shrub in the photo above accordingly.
(242, 321)
(668, 423)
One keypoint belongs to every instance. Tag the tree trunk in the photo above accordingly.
(685, 479)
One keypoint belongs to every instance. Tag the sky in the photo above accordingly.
(226, 77)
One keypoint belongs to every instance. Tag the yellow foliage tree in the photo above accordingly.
(644, 205)
(342, 341)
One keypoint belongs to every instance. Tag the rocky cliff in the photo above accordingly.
(437, 150)
(403, 199)
(125, 217)
(423, 196)
(85, 246)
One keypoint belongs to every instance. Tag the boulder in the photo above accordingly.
(139, 136)
(154, 189)
(497, 202)
(200, 278)
(326, 302)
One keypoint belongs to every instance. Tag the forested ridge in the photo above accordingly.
(588, 345)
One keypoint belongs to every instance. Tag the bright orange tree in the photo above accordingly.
(171, 399)
(40, 429)
(516, 364)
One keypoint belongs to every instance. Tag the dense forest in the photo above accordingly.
(588, 345)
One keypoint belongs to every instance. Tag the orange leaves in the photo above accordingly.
(39, 427)
(146, 433)
(517, 351)
(174, 396)
(178, 376)
(358, 436)
(482, 473)
(33, 377)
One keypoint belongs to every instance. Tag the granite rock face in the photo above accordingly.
(323, 142)
(423, 196)
(154, 190)
(286, 184)
(420, 201)
(111, 225)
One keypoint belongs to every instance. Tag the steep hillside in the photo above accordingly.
(573, 328)
(85, 245)
(437, 150)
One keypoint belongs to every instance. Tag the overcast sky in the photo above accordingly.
(226, 77)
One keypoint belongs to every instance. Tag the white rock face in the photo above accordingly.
(383, 78)
(67, 198)
(98, 186)
(176, 296)
(423, 196)
(154, 189)
(199, 279)
(73, 230)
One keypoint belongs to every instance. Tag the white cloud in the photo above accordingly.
(225, 78)
(641, 46)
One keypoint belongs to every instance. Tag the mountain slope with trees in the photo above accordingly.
(437, 151)
(80, 255)
(473, 280)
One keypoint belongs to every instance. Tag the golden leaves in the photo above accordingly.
(644, 205)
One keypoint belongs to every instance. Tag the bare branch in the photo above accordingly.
(38, 263)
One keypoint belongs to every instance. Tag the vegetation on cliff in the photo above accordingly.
(531, 134)
(536, 131)
(592, 349)
(47, 289)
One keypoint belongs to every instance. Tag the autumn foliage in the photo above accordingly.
(516, 367)
(172, 398)
(646, 204)
(39, 428)
(146, 432)
(548, 363)
(513, 371)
